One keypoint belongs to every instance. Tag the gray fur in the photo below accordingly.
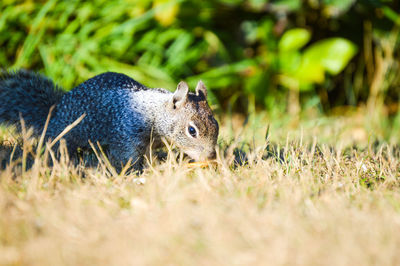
(120, 113)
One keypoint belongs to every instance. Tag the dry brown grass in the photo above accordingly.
(309, 205)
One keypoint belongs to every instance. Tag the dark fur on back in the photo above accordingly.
(27, 94)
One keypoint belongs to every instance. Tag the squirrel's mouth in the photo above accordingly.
(197, 156)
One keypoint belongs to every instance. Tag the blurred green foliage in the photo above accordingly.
(327, 53)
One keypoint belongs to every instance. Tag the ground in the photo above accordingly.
(322, 191)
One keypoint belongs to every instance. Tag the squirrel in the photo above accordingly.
(120, 113)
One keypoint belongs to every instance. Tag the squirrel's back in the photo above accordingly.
(105, 100)
(28, 95)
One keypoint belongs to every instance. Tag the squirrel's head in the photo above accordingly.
(195, 129)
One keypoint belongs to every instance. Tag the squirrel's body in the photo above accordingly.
(120, 113)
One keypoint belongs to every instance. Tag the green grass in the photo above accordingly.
(322, 193)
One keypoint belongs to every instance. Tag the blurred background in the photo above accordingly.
(287, 57)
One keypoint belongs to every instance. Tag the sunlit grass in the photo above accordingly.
(299, 200)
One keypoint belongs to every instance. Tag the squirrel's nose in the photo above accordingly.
(212, 155)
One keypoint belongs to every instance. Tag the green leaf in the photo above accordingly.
(286, 5)
(332, 54)
(310, 72)
(289, 62)
(334, 8)
(391, 14)
(294, 39)
(223, 76)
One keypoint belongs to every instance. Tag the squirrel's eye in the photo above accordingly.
(192, 131)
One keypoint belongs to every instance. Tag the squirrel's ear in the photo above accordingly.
(201, 89)
(180, 95)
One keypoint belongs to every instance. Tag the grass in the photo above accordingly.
(313, 196)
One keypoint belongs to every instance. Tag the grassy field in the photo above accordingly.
(318, 192)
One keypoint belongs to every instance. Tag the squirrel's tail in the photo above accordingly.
(28, 95)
